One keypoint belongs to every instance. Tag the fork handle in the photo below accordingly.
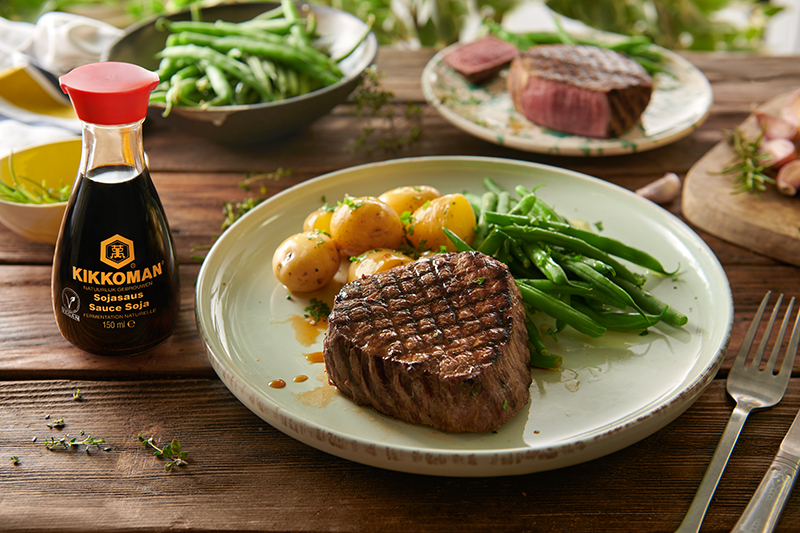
(767, 503)
(702, 498)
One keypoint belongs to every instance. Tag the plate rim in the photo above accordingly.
(598, 147)
(507, 461)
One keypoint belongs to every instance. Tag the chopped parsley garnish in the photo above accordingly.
(317, 310)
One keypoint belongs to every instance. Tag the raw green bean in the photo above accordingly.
(653, 305)
(227, 64)
(271, 14)
(219, 83)
(560, 311)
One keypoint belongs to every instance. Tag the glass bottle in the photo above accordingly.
(115, 284)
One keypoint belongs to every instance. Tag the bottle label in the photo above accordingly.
(116, 295)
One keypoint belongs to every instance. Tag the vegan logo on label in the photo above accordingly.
(70, 300)
(116, 251)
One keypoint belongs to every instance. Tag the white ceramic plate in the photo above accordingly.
(609, 394)
(678, 106)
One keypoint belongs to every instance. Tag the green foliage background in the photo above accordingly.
(674, 24)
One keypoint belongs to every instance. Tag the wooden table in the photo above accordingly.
(244, 474)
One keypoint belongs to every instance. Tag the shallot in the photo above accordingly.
(788, 180)
(778, 152)
(777, 127)
(663, 190)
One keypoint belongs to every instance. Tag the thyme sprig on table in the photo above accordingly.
(752, 164)
(172, 452)
(73, 443)
(389, 126)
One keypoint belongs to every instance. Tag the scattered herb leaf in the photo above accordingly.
(172, 452)
(317, 311)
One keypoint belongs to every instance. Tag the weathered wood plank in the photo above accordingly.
(245, 475)
(32, 347)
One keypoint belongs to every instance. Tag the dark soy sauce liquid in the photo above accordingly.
(115, 280)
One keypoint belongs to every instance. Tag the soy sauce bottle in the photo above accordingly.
(115, 284)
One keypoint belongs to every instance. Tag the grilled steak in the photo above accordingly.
(479, 61)
(440, 341)
(582, 90)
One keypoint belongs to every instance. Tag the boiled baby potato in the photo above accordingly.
(409, 198)
(306, 261)
(375, 261)
(366, 223)
(319, 220)
(452, 211)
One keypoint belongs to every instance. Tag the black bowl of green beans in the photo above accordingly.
(244, 73)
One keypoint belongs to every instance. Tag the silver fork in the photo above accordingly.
(752, 388)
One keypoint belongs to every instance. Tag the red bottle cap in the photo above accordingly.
(110, 92)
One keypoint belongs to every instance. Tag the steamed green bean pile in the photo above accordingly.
(574, 275)
(271, 57)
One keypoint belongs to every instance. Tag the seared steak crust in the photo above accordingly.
(583, 90)
(440, 341)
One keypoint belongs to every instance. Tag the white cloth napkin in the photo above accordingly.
(57, 43)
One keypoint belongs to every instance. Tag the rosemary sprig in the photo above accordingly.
(171, 452)
(752, 164)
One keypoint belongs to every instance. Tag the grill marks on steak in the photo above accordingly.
(440, 342)
(582, 90)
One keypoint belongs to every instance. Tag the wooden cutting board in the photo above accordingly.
(769, 226)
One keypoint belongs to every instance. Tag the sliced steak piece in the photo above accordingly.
(481, 60)
(582, 90)
(440, 341)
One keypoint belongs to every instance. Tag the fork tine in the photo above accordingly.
(791, 352)
(744, 349)
(762, 346)
(779, 341)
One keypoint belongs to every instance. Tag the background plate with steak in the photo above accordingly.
(678, 106)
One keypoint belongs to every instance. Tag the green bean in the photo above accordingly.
(651, 304)
(474, 202)
(218, 29)
(540, 356)
(219, 83)
(491, 185)
(619, 321)
(313, 63)
(545, 263)
(457, 241)
(503, 202)
(492, 242)
(488, 202)
(518, 253)
(616, 295)
(297, 31)
(611, 246)
(524, 205)
(227, 64)
(560, 311)
(571, 243)
(271, 14)
(579, 288)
